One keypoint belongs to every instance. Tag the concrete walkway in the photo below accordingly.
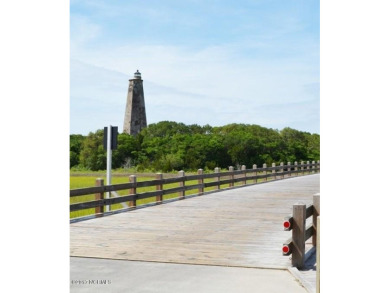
(106, 275)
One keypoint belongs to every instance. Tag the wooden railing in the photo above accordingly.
(230, 178)
(300, 234)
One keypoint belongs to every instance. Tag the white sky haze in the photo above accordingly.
(202, 62)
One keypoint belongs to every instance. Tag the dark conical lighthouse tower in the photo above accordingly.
(135, 115)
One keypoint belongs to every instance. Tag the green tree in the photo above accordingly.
(313, 147)
(295, 144)
(75, 141)
(126, 151)
(168, 146)
(93, 155)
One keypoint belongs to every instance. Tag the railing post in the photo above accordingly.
(313, 166)
(265, 172)
(182, 184)
(318, 256)
(289, 169)
(274, 171)
(298, 235)
(302, 168)
(133, 179)
(308, 167)
(295, 168)
(243, 168)
(231, 169)
(282, 169)
(98, 196)
(218, 178)
(316, 214)
(200, 181)
(318, 166)
(159, 198)
(254, 167)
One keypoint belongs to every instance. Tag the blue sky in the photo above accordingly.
(202, 62)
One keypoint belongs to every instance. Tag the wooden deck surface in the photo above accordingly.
(239, 227)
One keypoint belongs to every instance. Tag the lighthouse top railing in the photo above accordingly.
(137, 75)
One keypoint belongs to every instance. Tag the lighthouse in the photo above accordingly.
(135, 114)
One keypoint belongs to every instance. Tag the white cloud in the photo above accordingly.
(213, 71)
(98, 98)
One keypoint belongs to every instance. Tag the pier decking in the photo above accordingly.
(241, 227)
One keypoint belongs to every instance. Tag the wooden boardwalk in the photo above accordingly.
(240, 227)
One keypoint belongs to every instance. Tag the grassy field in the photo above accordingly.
(81, 181)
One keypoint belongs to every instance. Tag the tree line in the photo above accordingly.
(167, 146)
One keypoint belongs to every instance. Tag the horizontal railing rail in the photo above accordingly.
(230, 178)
